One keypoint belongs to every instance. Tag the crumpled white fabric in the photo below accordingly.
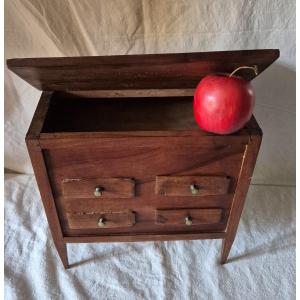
(261, 265)
(264, 267)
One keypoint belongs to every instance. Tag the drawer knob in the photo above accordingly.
(98, 191)
(194, 189)
(188, 220)
(101, 222)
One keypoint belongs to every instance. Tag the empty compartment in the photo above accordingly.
(119, 114)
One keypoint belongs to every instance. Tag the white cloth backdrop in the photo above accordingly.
(38, 28)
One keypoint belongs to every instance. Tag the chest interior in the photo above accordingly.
(82, 114)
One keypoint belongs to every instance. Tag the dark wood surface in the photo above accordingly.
(198, 216)
(40, 114)
(38, 164)
(244, 179)
(129, 237)
(78, 139)
(181, 185)
(40, 171)
(140, 93)
(142, 163)
(113, 219)
(133, 72)
(83, 118)
(115, 115)
(85, 187)
(140, 156)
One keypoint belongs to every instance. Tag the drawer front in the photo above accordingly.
(101, 220)
(98, 188)
(188, 217)
(191, 185)
(143, 161)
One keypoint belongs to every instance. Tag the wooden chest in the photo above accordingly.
(117, 154)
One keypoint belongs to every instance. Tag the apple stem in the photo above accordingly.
(254, 68)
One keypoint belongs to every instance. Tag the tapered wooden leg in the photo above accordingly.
(226, 246)
(39, 167)
(62, 251)
(241, 190)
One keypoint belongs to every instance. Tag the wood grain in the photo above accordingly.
(175, 236)
(131, 72)
(139, 202)
(243, 183)
(81, 136)
(40, 172)
(39, 116)
(198, 216)
(90, 141)
(141, 227)
(85, 187)
(143, 164)
(141, 93)
(181, 185)
(113, 219)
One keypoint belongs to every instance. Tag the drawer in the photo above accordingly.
(101, 220)
(143, 160)
(191, 185)
(194, 216)
(98, 188)
(76, 171)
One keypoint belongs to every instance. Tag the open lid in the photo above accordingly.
(135, 72)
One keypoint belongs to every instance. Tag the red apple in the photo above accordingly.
(223, 104)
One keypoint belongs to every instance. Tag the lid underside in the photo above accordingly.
(136, 72)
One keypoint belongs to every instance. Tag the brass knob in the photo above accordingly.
(194, 189)
(98, 191)
(101, 222)
(188, 220)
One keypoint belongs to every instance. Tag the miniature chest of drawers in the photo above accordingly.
(118, 156)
